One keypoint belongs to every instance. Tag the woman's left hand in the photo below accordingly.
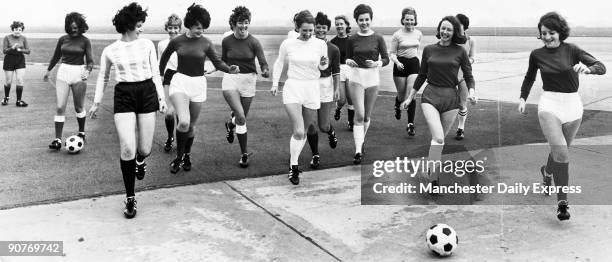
(163, 106)
(85, 75)
(581, 69)
(324, 60)
(472, 96)
(234, 69)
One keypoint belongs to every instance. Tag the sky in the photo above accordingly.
(507, 13)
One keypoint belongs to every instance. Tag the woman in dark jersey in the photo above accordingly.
(188, 86)
(440, 100)
(560, 108)
(74, 52)
(15, 47)
(343, 29)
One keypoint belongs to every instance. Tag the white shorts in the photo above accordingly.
(304, 92)
(244, 83)
(193, 86)
(71, 74)
(566, 106)
(327, 89)
(345, 70)
(365, 77)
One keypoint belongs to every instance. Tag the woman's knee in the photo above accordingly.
(183, 124)
(127, 153)
(560, 154)
(298, 134)
(60, 111)
(240, 120)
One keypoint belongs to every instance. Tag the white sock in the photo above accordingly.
(358, 135)
(295, 148)
(462, 116)
(350, 107)
(435, 153)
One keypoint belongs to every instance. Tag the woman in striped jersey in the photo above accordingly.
(306, 55)
(343, 29)
(74, 52)
(138, 94)
(173, 28)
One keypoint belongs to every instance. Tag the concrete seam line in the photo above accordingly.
(282, 221)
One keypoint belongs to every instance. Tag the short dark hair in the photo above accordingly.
(321, 19)
(464, 20)
(302, 17)
(17, 24)
(78, 19)
(173, 19)
(409, 11)
(197, 14)
(457, 37)
(239, 14)
(555, 22)
(127, 17)
(346, 21)
(363, 9)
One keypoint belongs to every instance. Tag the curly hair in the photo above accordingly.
(555, 22)
(409, 11)
(457, 37)
(173, 20)
(321, 19)
(239, 14)
(197, 14)
(346, 21)
(126, 19)
(78, 19)
(17, 24)
(362, 9)
(302, 17)
(464, 20)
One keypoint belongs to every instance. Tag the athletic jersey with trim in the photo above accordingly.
(333, 53)
(556, 68)
(303, 59)
(370, 47)
(71, 50)
(440, 65)
(172, 62)
(342, 44)
(405, 44)
(242, 52)
(21, 41)
(191, 53)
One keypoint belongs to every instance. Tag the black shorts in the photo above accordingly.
(442, 98)
(168, 77)
(13, 62)
(411, 66)
(137, 97)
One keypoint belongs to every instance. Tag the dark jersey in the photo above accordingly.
(440, 65)
(361, 48)
(73, 51)
(242, 52)
(191, 53)
(342, 44)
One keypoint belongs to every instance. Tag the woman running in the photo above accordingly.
(329, 83)
(173, 28)
(366, 54)
(14, 47)
(440, 101)
(343, 29)
(560, 108)
(74, 51)
(470, 48)
(306, 55)
(403, 52)
(138, 94)
(241, 48)
(188, 86)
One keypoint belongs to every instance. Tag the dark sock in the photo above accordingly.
(242, 139)
(397, 102)
(170, 126)
(128, 168)
(7, 90)
(561, 177)
(331, 129)
(351, 115)
(313, 141)
(140, 158)
(59, 127)
(181, 141)
(411, 111)
(81, 121)
(549, 164)
(188, 145)
(19, 91)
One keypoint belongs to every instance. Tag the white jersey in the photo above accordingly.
(303, 58)
(293, 34)
(173, 61)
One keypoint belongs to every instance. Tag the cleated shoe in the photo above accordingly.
(141, 170)
(5, 101)
(187, 162)
(410, 130)
(315, 162)
(337, 113)
(244, 160)
(130, 208)
(562, 213)
(176, 165)
(168, 144)
(21, 103)
(357, 158)
(460, 134)
(229, 133)
(56, 144)
(294, 175)
(546, 180)
(333, 140)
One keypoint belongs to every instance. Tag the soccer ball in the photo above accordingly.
(442, 239)
(74, 144)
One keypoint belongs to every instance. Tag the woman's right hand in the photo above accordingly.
(399, 65)
(406, 103)
(274, 90)
(93, 111)
(521, 107)
(46, 76)
(351, 63)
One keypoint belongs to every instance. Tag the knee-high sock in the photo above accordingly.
(462, 116)
(181, 142)
(561, 177)
(81, 117)
(19, 91)
(59, 125)
(295, 148)
(549, 164)
(7, 90)
(313, 141)
(435, 154)
(170, 126)
(366, 126)
(351, 113)
(241, 133)
(411, 111)
(188, 144)
(128, 168)
(397, 102)
(358, 136)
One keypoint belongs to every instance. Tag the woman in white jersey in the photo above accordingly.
(138, 95)
(306, 55)
(173, 28)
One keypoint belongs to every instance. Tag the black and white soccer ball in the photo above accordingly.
(74, 144)
(442, 239)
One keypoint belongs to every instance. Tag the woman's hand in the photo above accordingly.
(351, 63)
(406, 102)
(581, 69)
(521, 107)
(265, 73)
(324, 60)
(472, 96)
(163, 106)
(46, 76)
(371, 63)
(399, 65)
(93, 111)
(234, 69)
(85, 75)
(274, 90)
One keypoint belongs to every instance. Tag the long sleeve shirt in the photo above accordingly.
(242, 52)
(72, 50)
(334, 61)
(370, 47)
(304, 59)
(440, 66)
(172, 62)
(556, 67)
(191, 53)
(405, 44)
(133, 61)
(10, 41)
(342, 44)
